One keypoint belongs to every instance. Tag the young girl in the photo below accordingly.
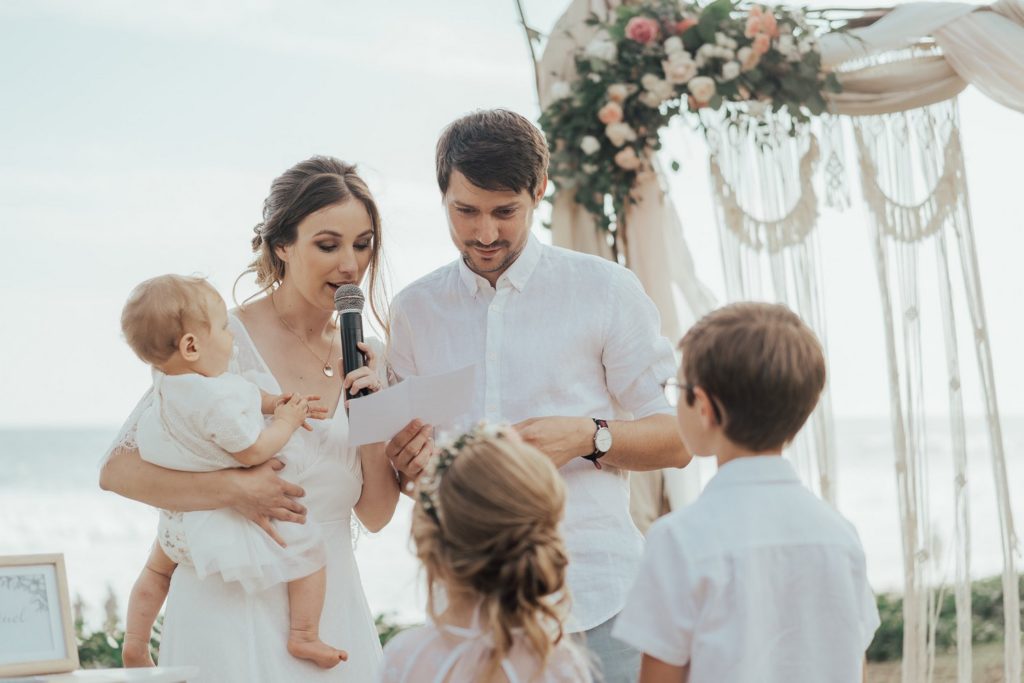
(204, 418)
(485, 527)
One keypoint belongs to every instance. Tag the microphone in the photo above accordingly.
(349, 301)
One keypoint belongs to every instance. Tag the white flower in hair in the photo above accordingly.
(430, 480)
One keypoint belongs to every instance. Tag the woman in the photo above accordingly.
(321, 229)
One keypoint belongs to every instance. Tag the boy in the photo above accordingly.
(758, 580)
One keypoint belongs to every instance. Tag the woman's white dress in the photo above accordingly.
(232, 635)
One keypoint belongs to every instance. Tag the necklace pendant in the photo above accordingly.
(328, 370)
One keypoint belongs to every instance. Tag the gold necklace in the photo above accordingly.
(326, 366)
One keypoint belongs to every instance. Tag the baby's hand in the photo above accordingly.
(292, 410)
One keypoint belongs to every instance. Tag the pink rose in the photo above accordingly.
(761, 45)
(627, 159)
(610, 113)
(769, 25)
(642, 29)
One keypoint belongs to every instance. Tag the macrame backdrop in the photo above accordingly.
(914, 185)
(767, 212)
(898, 101)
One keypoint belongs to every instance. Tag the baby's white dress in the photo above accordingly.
(193, 424)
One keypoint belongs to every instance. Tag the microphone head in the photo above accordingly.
(349, 298)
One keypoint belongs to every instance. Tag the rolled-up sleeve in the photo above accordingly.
(636, 357)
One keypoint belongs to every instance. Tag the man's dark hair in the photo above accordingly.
(495, 149)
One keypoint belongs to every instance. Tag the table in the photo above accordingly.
(172, 674)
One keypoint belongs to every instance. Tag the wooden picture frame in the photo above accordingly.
(37, 632)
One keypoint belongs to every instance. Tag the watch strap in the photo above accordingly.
(597, 454)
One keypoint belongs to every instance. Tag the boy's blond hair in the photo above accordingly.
(161, 310)
(761, 366)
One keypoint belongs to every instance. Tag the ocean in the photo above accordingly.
(50, 502)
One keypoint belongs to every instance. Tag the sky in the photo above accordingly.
(140, 137)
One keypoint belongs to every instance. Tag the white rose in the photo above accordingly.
(620, 133)
(679, 71)
(702, 88)
(730, 70)
(560, 90)
(589, 144)
(601, 47)
(744, 54)
(649, 81)
(649, 99)
(618, 92)
(721, 39)
(786, 45)
(673, 45)
(707, 50)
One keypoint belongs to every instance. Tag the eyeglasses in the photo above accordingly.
(673, 387)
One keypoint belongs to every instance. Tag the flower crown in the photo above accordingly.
(430, 482)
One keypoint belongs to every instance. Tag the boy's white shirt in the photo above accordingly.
(758, 580)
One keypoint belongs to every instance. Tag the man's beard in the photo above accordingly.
(505, 262)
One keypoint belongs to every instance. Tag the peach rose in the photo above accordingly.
(762, 43)
(642, 29)
(627, 159)
(610, 113)
(685, 25)
(769, 25)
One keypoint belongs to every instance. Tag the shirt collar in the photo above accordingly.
(761, 469)
(518, 274)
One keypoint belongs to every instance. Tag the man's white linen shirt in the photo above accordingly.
(757, 581)
(561, 334)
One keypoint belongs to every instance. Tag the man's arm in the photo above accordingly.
(654, 670)
(649, 443)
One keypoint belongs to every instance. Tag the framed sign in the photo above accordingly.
(37, 634)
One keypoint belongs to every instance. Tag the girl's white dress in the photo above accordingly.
(194, 423)
(449, 654)
(233, 635)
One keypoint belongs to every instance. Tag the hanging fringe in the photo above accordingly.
(901, 155)
(767, 209)
(837, 185)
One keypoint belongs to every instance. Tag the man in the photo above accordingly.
(563, 343)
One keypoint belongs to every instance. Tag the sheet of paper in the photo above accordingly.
(438, 400)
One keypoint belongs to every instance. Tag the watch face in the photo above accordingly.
(603, 440)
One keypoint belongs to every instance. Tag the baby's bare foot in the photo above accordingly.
(305, 645)
(135, 652)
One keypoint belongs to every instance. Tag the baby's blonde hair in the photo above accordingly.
(161, 310)
(491, 528)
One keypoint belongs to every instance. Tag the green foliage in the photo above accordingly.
(786, 77)
(986, 617)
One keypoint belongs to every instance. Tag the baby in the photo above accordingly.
(203, 418)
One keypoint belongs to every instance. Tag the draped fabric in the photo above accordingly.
(657, 252)
(978, 45)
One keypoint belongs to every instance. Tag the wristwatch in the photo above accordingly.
(602, 442)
